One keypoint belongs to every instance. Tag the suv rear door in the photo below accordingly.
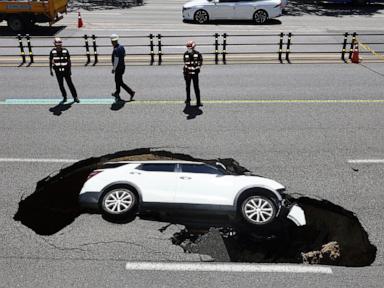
(157, 181)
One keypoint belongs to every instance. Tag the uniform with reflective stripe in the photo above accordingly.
(60, 60)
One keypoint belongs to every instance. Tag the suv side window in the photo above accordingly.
(157, 167)
(196, 168)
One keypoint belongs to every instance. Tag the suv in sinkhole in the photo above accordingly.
(126, 188)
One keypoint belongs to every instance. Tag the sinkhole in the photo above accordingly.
(332, 236)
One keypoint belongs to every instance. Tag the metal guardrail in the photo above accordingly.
(217, 48)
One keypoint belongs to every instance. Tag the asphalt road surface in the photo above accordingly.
(318, 129)
(304, 134)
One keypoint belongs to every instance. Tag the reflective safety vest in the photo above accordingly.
(60, 60)
(192, 62)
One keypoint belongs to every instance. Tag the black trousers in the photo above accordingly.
(60, 76)
(120, 83)
(195, 78)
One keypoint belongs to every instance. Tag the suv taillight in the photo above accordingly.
(93, 173)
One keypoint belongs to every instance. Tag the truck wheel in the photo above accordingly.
(16, 23)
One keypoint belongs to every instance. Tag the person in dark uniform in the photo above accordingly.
(192, 64)
(60, 61)
(118, 63)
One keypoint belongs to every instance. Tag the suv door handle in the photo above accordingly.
(185, 178)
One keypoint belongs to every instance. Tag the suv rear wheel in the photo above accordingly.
(258, 210)
(119, 203)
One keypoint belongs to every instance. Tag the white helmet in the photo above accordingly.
(114, 37)
(57, 41)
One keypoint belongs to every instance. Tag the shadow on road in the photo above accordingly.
(33, 31)
(192, 111)
(116, 106)
(91, 5)
(320, 8)
(60, 108)
(236, 22)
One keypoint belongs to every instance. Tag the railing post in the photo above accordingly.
(87, 49)
(224, 52)
(94, 49)
(344, 47)
(216, 48)
(152, 52)
(29, 49)
(22, 53)
(288, 51)
(159, 49)
(281, 47)
(352, 44)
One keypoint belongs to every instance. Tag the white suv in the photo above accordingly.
(123, 189)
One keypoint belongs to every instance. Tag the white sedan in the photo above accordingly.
(202, 11)
(125, 188)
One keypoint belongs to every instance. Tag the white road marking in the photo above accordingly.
(38, 160)
(233, 267)
(366, 161)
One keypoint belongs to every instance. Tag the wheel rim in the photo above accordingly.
(260, 17)
(201, 16)
(118, 201)
(258, 210)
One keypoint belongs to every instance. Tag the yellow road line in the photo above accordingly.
(367, 48)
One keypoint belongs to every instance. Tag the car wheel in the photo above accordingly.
(119, 202)
(16, 23)
(201, 16)
(258, 210)
(260, 17)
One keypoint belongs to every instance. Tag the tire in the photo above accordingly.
(16, 23)
(258, 210)
(260, 17)
(201, 17)
(119, 202)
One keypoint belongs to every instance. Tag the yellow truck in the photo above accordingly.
(23, 14)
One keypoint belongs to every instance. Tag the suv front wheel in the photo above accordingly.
(258, 210)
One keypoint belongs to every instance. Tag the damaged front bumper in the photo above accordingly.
(296, 215)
